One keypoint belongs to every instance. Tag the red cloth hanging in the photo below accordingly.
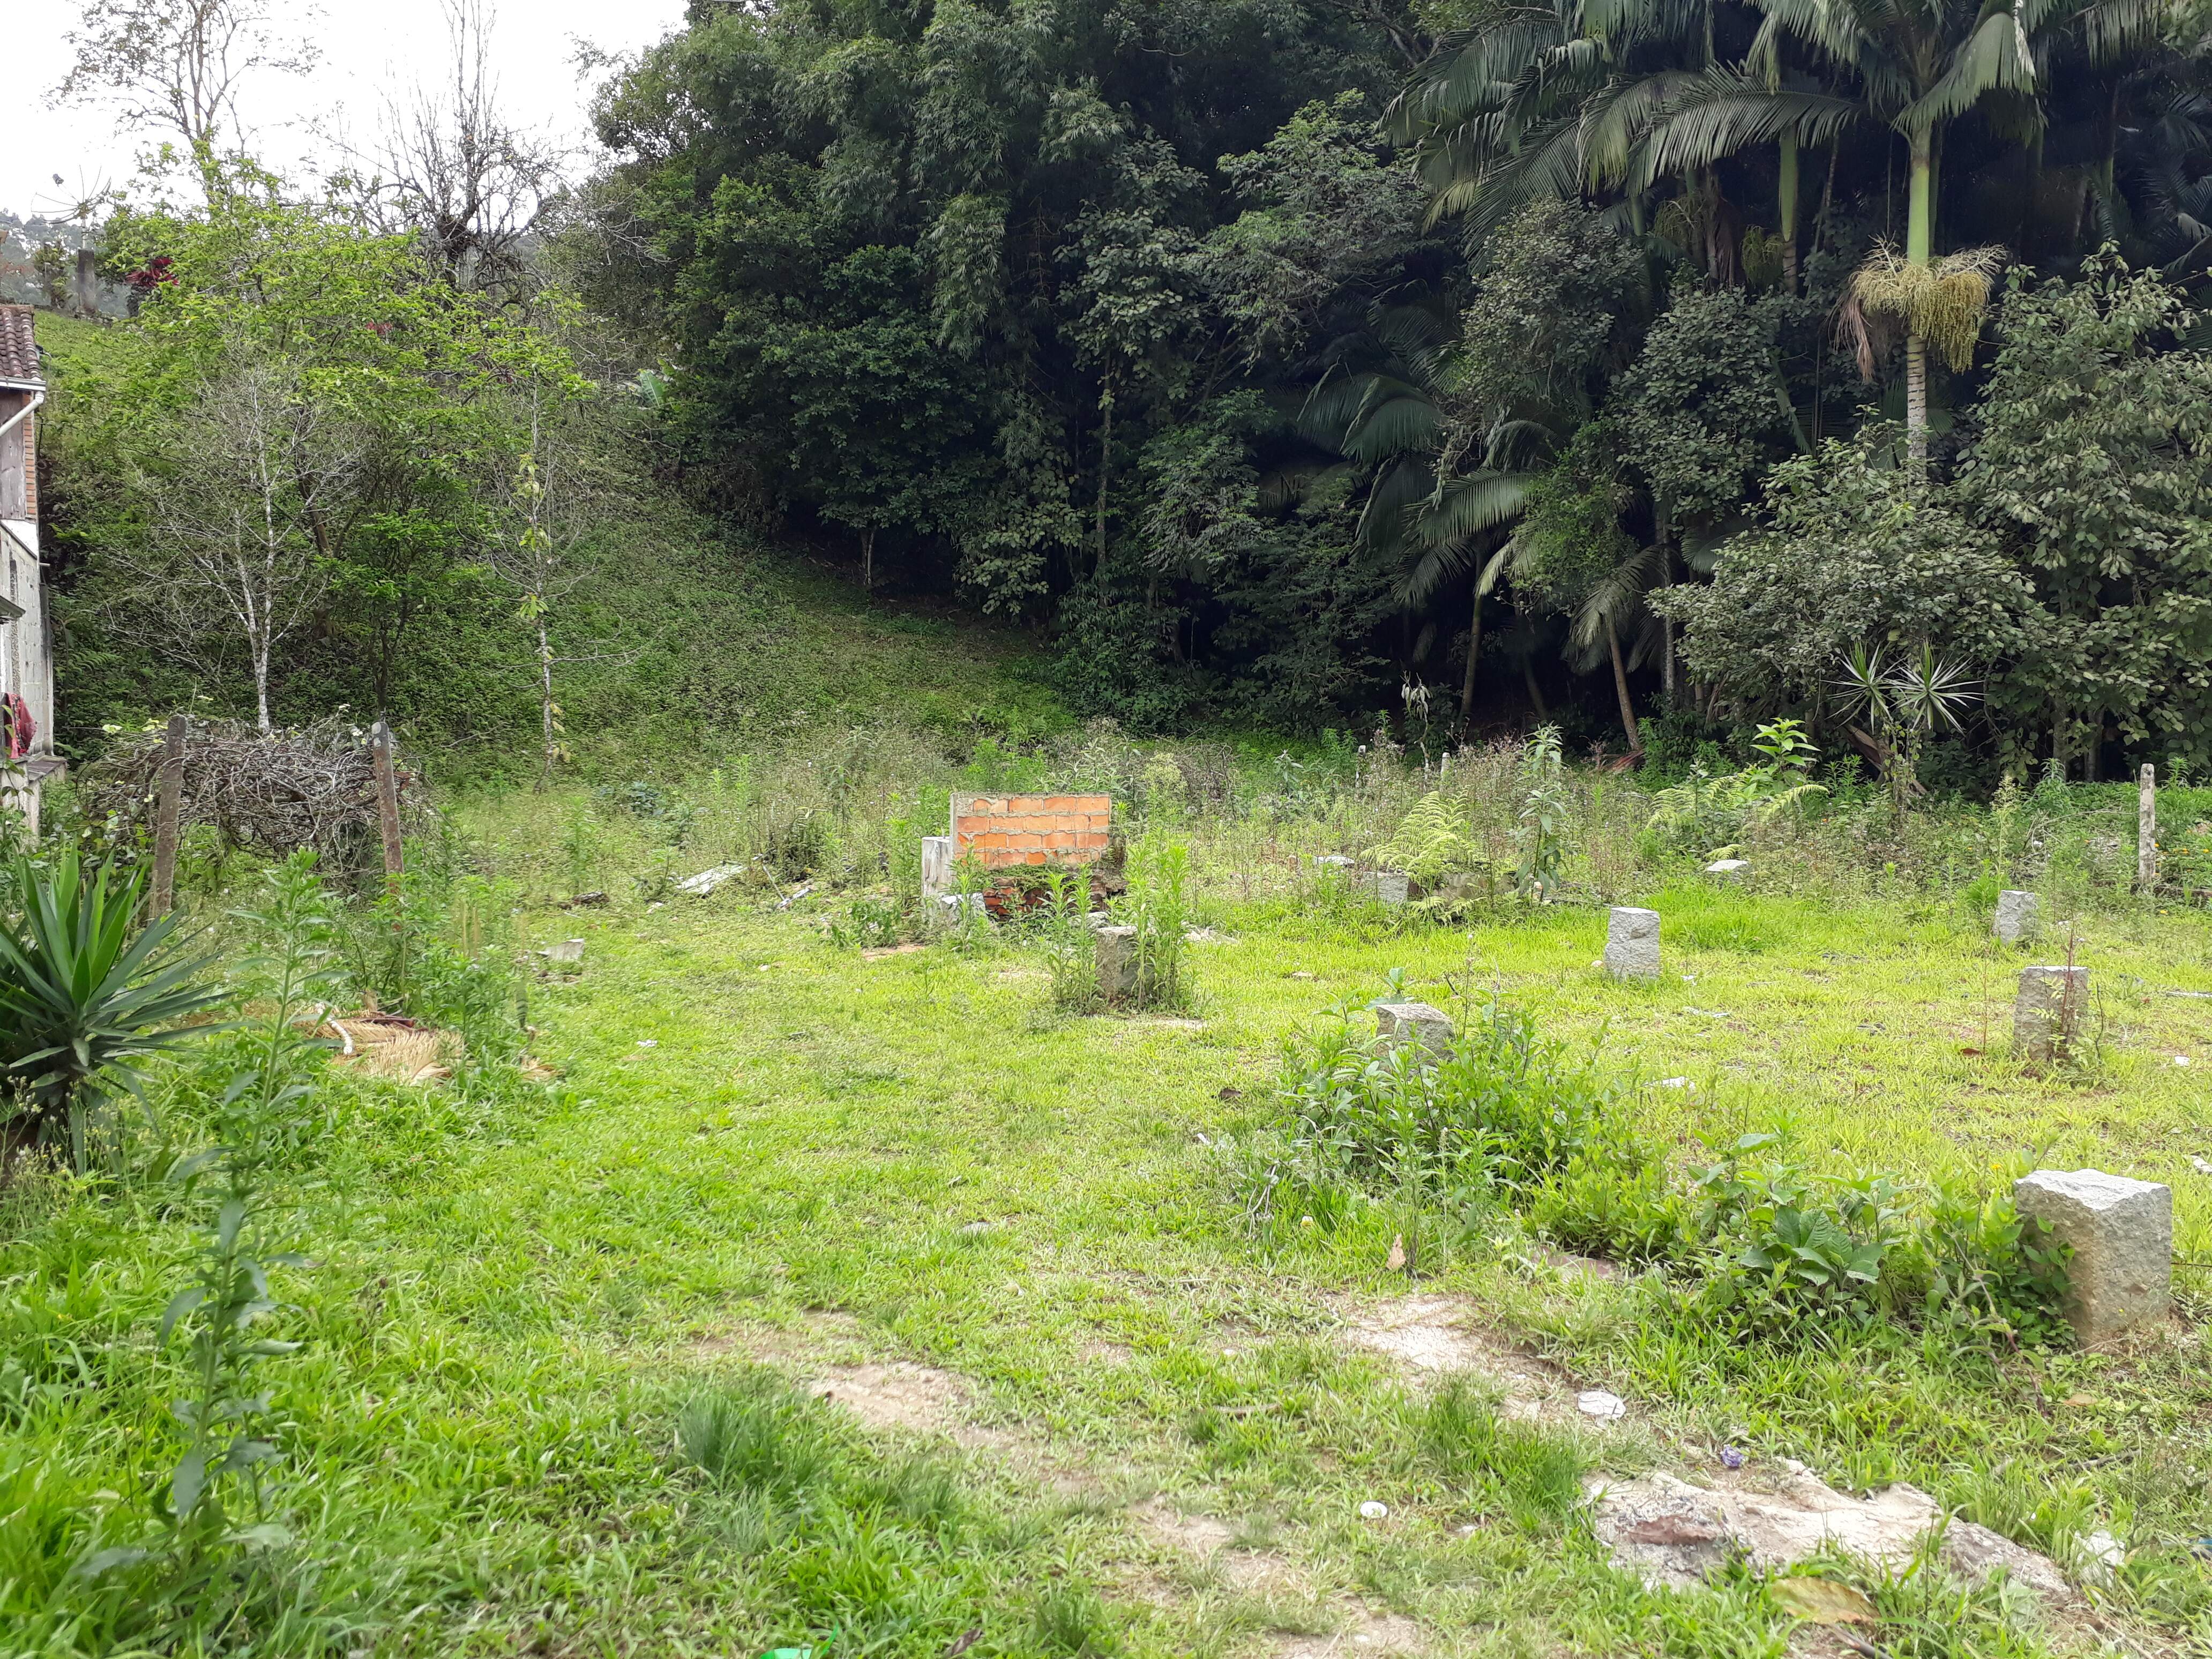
(22, 728)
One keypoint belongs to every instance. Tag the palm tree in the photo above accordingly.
(1918, 65)
(1386, 416)
(1548, 100)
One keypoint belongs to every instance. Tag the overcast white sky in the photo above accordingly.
(368, 46)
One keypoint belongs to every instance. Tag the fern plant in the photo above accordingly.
(1429, 843)
(1712, 811)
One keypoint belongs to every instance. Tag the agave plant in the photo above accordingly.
(85, 996)
(1905, 704)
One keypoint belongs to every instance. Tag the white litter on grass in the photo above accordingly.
(2203, 1168)
(1371, 1510)
(2181, 1059)
(2102, 1555)
(1677, 1083)
(704, 883)
(1606, 1408)
(648, 1042)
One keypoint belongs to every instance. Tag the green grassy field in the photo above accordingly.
(1072, 1405)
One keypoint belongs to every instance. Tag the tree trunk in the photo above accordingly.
(1620, 687)
(545, 700)
(1788, 203)
(261, 684)
(1919, 250)
(868, 560)
(1535, 691)
(1916, 406)
(1474, 656)
(1105, 459)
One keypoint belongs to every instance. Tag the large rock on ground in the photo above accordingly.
(1672, 1532)
(2121, 1235)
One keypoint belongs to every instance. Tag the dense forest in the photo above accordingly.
(1647, 368)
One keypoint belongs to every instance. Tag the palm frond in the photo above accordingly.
(1725, 112)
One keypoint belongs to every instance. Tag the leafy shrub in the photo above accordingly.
(1501, 1118)
(1157, 905)
(871, 923)
(1546, 817)
(1786, 1243)
(1508, 1119)
(1990, 1268)
(1071, 948)
(1709, 813)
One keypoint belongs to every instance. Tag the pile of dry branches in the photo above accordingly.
(314, 786)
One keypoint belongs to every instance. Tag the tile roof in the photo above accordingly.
(19, 348)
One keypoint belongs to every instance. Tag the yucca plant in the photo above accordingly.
(85, 996)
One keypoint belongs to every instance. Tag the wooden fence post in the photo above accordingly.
(2147, 830)
(168, 803)
(383, 749)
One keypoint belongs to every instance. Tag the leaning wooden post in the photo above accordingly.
(2147, 830)
(168, 803)
(382, 748)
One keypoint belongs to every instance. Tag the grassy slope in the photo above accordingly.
(691, 645)
(511, 1302)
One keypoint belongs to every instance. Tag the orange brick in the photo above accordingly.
(1036, 858)
(1059, 838)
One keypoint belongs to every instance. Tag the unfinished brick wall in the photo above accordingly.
(1000, 831)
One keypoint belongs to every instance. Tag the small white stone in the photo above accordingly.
(648, 1042)
(2181, 1059)
(1371, 1510)
(1677, 1083)
(1604, 1406)
(2201, 1167)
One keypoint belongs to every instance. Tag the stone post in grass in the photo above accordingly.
(2047, 1013)
(936, 865)
(2019, 915)
(1631, 943)
(2121, 1233)
(1114, 952)
(1398, 1024)
(2147, 829)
